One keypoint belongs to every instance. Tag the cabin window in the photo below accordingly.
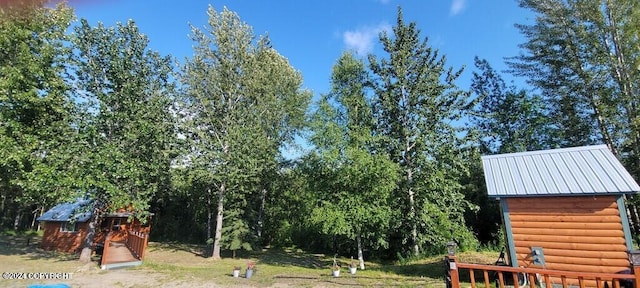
(116, 225)
(68, 227)
(104, 225)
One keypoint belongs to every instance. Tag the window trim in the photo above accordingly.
(115, 225)
(65, 225)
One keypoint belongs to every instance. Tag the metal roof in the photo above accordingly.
(67, 211)
(588, 170)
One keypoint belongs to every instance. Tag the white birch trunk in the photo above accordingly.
(87, 243)
(219, 217)
(360, 254)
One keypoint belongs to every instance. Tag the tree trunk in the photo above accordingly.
(33, 219)
(209, 214)
(360, 254)
(209, 244)
(41, 212)
(412, 214)
(87, 243)
(632, 214)
(3, 198)
(636, 218)
(219, 217)
(414, 225)
(263, 199)
(624, 80)
(16, 220)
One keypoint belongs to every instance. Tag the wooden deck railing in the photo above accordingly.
(107, 241)
(137, 243)
(505, 276)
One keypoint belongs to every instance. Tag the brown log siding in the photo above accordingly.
(69, 242)
(581, 234)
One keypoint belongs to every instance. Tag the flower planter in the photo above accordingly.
(336, 273)
(236, 273)
(249, 273)
(353, 270)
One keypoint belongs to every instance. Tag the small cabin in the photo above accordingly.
(563, 209)
(66, 226)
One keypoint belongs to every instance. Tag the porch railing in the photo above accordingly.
(137, 243)
(505, 276)
(105, 249)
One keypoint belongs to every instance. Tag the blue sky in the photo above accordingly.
(313, 34)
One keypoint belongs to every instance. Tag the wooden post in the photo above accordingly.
(452, 272)
(145, 243)
(634, 260)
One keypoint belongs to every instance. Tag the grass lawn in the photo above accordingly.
(181, 265)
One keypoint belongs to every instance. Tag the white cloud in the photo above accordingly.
(361, 40)
(384, 1)
(457, 6)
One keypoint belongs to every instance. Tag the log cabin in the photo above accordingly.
(563, 209)
(66, 226)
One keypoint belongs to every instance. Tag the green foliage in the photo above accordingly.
(93, 112)
(416, 100)
(35, 108)
(289, 203)
(235, 232)
(558, 61)
(507, 120)
(583, 56)
(125, 128)
(351, 182)
(242, 102)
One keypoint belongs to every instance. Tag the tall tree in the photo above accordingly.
(242, 100)
(283, 106)
(290, 198)
(355, 181)
(416, 102)
(35, 108)
(508, 120)
(583, 56)
(126, 129)
(504, 120)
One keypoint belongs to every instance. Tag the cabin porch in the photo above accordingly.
(119, 253)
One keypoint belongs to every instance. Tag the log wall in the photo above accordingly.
(69, 242)
(580, 234)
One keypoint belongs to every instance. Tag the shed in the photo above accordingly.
(66, 226)
(563, 209)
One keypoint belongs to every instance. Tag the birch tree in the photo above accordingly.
(35, 110)
(416, 101)
(507, 119)
(126, 129)
(242, 100)
(353, 181)
(583, 56)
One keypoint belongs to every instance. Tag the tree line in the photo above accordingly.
(392, 168)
